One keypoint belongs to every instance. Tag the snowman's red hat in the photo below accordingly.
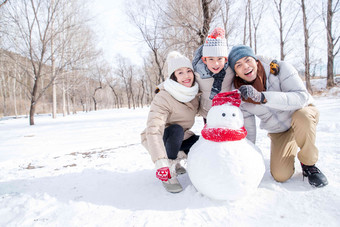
(231, 97)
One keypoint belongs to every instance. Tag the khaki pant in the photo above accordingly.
(284, 145)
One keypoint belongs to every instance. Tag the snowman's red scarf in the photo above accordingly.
(223, 134)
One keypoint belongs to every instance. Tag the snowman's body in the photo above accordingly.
(226, 170)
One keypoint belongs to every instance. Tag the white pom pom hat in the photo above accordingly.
(176, 60)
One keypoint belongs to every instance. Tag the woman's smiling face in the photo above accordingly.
(185, 76)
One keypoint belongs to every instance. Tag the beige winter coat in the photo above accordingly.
(205, 86)
(165, 110)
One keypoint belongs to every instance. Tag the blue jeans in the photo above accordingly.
(173, 141)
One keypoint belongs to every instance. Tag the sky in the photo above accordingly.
(115, 34)
(90, 169)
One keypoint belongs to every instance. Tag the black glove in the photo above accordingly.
(248, 91)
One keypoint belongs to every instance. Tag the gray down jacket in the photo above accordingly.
(286, 93)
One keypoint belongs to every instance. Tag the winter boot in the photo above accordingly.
(179, 169)
(315, 177)
(176, 166)
(172, 185)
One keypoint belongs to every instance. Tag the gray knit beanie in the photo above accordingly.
(238, 52)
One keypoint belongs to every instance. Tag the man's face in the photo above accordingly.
(246, 68)
(214, 64)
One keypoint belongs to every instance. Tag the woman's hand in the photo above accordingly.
(163, 171)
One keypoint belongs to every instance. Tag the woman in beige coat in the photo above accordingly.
(172, 114)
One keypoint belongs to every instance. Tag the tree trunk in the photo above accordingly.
(94, 97)
(3, 92)
(249, 24)
(54, 99)
(206, 20)
(282, 43)
(245, 27)
(330, 46)
(128, 97)
(32, 112)
(64, 98)
(143, 93)
(15, 96)
(115, 96)
(255, 40)
(33, 98)
(306, 33)
(54, 86)
(95, 103)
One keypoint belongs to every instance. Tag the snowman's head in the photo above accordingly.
(225, 116)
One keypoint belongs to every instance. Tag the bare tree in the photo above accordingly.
(35, 30)
(333, 46)
(31, 23)
(98, 75)
(181, 25)
(130, 85)
(186, 24)
(256, 17)
(229, 22)
(149, 82)
(149, 25)
(207, 18)
(142, 91)
(249, 6)
(286, 20)
(113, 84)
(245, 24)
(306, 34)
(4, 90)
(94, 95)
(125, 72)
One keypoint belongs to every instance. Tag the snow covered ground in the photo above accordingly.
(90, 169)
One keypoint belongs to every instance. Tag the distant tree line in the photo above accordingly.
(49, 61)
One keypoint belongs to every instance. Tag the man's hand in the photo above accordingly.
(248, 91)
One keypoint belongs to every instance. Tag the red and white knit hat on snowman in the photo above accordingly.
(225, 134)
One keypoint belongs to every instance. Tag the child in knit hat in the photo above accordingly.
(172, 114)
(286, 111)
(211, 63)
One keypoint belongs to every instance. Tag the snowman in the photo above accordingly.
(223, 164)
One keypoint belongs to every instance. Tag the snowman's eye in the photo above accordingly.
(223, 114)
(233, 115)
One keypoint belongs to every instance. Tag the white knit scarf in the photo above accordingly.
(179, 91)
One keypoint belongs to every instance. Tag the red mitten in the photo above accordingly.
(163, 173)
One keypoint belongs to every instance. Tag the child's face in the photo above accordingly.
(246, 68)
(214, 64)
(185, 76)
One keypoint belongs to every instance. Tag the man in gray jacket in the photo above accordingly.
(279, 98)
